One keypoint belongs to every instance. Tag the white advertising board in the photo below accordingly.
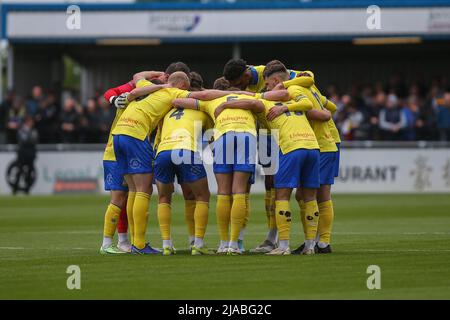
(362, 171)
(227, 23)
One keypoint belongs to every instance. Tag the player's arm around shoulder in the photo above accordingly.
(303, 79)
(144, 90)
(186, 103)
(328, 104)
(253, 105)
(274, 95)
(212, 94)
(322, 115)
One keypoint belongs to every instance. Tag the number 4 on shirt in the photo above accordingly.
(178, 113)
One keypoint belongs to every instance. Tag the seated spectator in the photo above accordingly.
(69, 120)
(34, 101)
(392, 119)
(14, 119)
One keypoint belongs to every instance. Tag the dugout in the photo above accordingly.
(338, 40)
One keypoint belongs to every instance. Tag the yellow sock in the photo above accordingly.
(301, 204)
(130, 205)
(311, 219)
(268, 206)
(283, 218)
(326, 214)
(140, 217)
(223, 211)
(201, 218)
(111, 219)
(247, 210)
(272, 219)
(189, 209)
(164, 219)
(238, 212)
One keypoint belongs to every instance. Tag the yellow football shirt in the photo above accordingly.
(237, 120)
(294, 79)
(257, 83)
(291, 130)
(109, 154)
(321, 129)
(334, 131)
(140, 118)
(182, 129)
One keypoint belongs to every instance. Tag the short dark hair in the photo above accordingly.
(273, 67)
(234, 69)
(177, 66)
(221, 84)
(196, 81)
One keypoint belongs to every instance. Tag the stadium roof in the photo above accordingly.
(196, 21)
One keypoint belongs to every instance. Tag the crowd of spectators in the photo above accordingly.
(66, 122)
(394, 111)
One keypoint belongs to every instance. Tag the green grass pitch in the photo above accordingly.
(407, 236)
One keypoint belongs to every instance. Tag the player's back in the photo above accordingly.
(321, 128)
(141, 117)
(182, 129)
(238, 120)
(292, 128)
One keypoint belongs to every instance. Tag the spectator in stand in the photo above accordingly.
(392, 119)
(352, 125)
(69, 121)
(413, 121)
(90, 131)
(27, 138)
(443, 117)
(46, 118)
(106, 116)
(32, 104)
(14, 119)
(373, 113)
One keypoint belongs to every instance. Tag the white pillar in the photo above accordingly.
(84, 85)
(3, 53)
(10, 68)
(236, 50)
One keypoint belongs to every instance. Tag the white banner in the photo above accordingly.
(228, 23)
(362, 171)
(394, 170)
